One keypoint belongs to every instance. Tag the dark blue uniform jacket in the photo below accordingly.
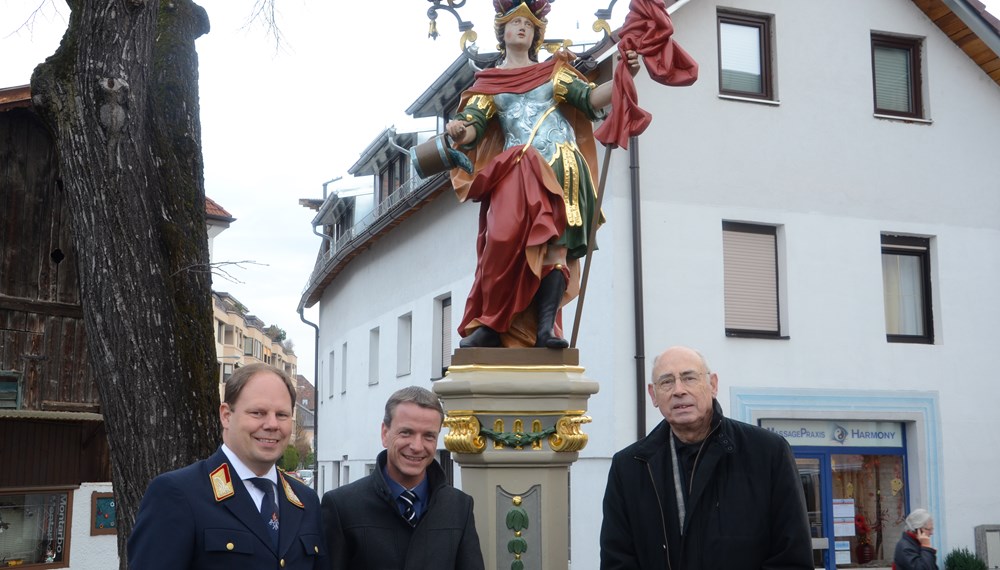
(191, 519)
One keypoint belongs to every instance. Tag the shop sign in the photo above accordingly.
(837, 433)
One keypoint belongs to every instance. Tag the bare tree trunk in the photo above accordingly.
(120, 96)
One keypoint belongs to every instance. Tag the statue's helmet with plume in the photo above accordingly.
(533, 10)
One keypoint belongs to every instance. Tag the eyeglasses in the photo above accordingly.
(669, 382)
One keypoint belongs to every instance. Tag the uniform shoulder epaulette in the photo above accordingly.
(222, 483)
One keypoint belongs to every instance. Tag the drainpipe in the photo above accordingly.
(640, 341)
(315, 402)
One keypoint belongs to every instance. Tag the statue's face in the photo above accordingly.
(519, 34)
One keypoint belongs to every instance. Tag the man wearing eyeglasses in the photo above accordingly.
(702, 491)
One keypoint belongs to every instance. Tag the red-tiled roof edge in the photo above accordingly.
(215, 211)
(15, 97)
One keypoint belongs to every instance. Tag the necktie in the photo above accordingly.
(408, 497)
(268, 507)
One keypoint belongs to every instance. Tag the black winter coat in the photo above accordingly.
(745, 510)
(366, 531)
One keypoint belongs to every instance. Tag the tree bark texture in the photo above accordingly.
(120, 96)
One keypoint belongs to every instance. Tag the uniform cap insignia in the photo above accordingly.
(222, 483)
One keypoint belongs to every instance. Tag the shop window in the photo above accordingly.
(750, 266)
(907, 289)
(869, 494)
(896, 76)
(35, 528)
(854, 481)
(745, 56)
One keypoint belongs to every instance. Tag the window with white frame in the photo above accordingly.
(745, 55)
(343, 369)
(750, 263)
(441, 335)
(906, 285)
(896, 75)
(404, 342)
(373, 341)
(330, 373)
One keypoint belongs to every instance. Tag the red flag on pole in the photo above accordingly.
(647, 31)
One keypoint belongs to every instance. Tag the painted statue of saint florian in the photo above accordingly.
(527, 129)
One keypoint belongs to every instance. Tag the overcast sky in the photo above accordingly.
(278, 124)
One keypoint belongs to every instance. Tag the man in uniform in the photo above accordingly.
(235, 510)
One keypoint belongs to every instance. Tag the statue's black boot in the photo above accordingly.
(550, 292)
(482, 337)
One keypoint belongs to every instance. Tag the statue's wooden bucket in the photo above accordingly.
(436, 155)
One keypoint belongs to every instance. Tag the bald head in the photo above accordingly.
(675, 351)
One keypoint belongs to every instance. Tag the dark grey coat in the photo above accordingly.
(910, 555)
(745, 510)
(365, 530)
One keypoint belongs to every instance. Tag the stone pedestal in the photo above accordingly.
(515, 419)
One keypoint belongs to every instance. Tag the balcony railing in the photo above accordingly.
(380, 210)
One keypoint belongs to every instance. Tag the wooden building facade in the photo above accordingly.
(52, 436)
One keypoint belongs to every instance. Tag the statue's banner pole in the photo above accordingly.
(591, 242)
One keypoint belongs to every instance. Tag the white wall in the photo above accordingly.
(88, 552)
(429, 255)
(823, 169)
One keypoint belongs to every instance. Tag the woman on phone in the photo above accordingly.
(914, 551)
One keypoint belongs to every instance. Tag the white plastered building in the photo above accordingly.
(821, 219)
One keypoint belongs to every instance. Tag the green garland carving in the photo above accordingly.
(517, 438)
(517, 520)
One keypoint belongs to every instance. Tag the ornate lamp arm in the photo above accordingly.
(469, 35)
(451, 6)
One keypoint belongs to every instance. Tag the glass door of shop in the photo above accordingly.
(869, 491)
(856, 502)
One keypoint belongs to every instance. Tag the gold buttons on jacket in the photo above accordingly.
(316, 549)
(282, 563)
(230, 546)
